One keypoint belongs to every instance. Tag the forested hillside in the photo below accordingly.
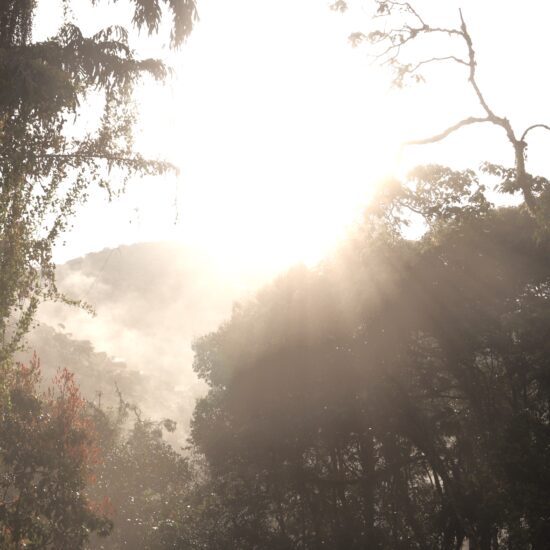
(393, 396)
(150, 301)
(97, 374)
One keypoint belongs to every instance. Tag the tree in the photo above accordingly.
(49, 164)
(379, 400)
(404, 27)
(48, 450)
(397, 395)
(146, 482)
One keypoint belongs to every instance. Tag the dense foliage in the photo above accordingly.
(50, 158)
(48, 450)
(395, 397)
(145, 480)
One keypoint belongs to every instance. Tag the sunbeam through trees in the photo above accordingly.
(395, 395)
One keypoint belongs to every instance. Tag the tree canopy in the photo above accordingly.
(397, 395)
(50, 160)
(48, 451)
(399, 43)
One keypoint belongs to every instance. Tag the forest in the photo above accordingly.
(395, 395)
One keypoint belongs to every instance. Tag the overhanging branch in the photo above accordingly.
(448, 131)
(524, 135)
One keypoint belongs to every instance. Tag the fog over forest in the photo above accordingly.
(274, 275)
(150, 302)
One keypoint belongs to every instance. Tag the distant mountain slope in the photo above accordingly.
(98, 375)
(151, 300)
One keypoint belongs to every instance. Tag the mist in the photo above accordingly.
(150, 302)
(297, 299)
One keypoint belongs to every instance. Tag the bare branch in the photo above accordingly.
(397, 40)
(448, 131)
(435, 59)
(524, 135)
(393, 41)
(402, 6)
(472, 79)
(415, 13)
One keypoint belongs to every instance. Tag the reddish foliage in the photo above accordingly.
(48, 446)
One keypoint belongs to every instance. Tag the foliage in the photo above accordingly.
(50, 160)
(394, 397)
(48, 448)
(72, 473)
(96, 374)
(148, 13)
(144, 479)
(397, 396)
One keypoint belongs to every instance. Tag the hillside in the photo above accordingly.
(151, 300)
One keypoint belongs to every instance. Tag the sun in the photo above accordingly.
(280, 141)
(281, 131)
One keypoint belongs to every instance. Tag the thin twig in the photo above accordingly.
(436, 59)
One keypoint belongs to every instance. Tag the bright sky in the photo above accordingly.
(281, 129)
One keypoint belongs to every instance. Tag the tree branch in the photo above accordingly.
(524, 135)
(434, 59)
(448, 131)
(473, 64)
(160, 166)
(393, 41)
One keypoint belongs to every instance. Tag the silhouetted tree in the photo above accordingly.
(403, 33)
(146, 481)
(379, 399)
(48, 450)
(48, 163)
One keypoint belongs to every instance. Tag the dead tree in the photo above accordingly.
(391, 45)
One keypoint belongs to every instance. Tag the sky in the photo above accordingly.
(281, 129)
